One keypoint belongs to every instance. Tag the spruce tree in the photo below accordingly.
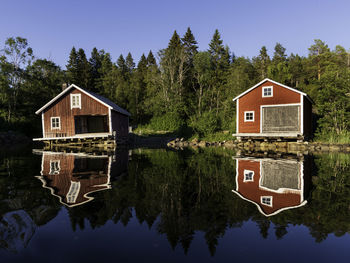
(220, 58)
(122, 65)
(151, 61)
(96, 64)
(190, 44)
(191, 49)
(142, 65)
(129, 63)
(84, 69)
(72, 67)
(216, 48)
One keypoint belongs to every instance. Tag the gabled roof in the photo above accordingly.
(277, 83)
(111, 105)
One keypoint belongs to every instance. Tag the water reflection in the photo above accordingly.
(73, 177)
(273, 185)
(180, 198)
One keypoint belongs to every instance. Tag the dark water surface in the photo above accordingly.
(147, 205)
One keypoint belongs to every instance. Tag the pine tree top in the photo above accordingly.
(175, 41)
(129, 62)
(151, 61)
(189, 42)
(142, 62)
(121, 61)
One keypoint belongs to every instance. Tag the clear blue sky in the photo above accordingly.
(119, 27)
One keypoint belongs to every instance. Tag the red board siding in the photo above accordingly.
(61, 108)
(252, 191)
(61, 181)
(253, 100)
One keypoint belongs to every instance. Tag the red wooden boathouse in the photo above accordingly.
(273, 185)
(78, 113)
(74, 177)
(271, 109)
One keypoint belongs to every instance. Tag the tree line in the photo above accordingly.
(178, 87)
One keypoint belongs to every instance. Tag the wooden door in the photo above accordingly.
(281, 119)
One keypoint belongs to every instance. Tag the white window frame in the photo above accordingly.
(57, 167)
(263, 91)
(73, 192)
(271, 200)
(246, 172)
(59, 123)
(77, 96)
(245, 116)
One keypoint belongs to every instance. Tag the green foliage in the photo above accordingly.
(183, 83)
(170, 121)
(205, 124)
(332, 137)
(216, 136)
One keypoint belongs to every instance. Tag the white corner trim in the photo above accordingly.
(43, 123)
(302, 181)
(237, 116)
(110, 120)
(302, 114)
(245, 117)
(237, 184)
(263, 91)
(78, 96)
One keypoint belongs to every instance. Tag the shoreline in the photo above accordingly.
(287, 147)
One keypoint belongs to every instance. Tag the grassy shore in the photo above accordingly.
(342, 138)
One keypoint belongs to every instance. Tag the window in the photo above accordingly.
(267, 91)
(248, 176)
(75, 101)
(249, 116)
(55, 123)
(73, 192)
(266, 200)
(55, 167)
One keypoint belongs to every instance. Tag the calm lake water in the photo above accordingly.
(157, 205)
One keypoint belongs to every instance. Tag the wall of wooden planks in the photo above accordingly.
(62, 108)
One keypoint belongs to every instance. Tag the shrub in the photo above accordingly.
(170, 121)
(205, 124)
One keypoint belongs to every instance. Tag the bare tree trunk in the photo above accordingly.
(200, 100)
(217, 103)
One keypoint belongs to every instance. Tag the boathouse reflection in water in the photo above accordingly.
(273, 185)
(73, 177)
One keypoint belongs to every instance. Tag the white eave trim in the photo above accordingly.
(275, 82)
(64, 92)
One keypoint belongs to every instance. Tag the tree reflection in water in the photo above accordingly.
(180, 193)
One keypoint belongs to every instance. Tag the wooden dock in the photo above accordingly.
(87, 141)
(269, 136)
